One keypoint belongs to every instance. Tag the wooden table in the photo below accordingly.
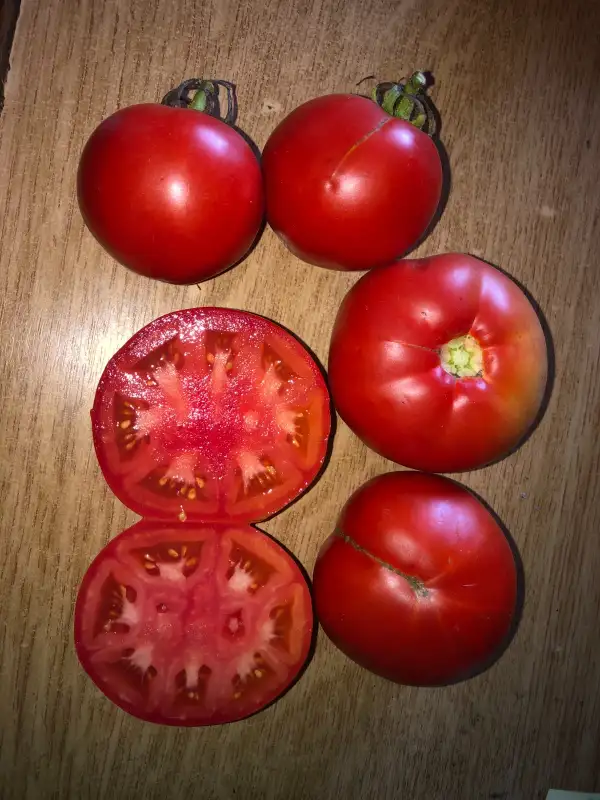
(517, 86)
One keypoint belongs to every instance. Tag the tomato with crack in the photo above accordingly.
(418, 582)
(210, 414)
(191, 624)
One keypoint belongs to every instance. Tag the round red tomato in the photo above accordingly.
(171, 193)
(193, 624)
(348, 186)
(418, 582)
(439, 364)
(210, 414)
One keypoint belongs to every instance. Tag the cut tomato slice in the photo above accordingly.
(191, 624)
(210, 414)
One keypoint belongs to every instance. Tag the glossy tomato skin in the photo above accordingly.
(171, 193)
(385, 370)
(154, 622)
(418, 582)
(210, 414)
(348, 186)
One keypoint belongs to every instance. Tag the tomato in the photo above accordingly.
(439, 363)
(210, 414)
(172, 193)
(193, 624)
(347, 185)
(418, 582)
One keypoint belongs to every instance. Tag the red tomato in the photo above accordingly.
(210, 414)
(347, 185)
(439, 364)
(192, 624)
(171, 193)
(418, 582)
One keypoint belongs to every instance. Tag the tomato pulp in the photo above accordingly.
(418, 582)
(210, 414)
(189, 624)
(439, 363)
(206, 420)
(347, 185)
(171, 193)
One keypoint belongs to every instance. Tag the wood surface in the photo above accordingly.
(517, 88)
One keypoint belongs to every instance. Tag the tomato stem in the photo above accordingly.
(416, 584)
(408, 101)
(205, 99)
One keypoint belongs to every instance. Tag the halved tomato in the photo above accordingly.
(191, 624)
(210, 414)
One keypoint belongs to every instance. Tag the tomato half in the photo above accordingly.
(210, 414)
(439, 363)
(193, 624)
(347, 185)
(171, 193)
(418, 582)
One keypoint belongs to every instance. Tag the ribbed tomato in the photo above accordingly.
(439, 363)
(418, 582)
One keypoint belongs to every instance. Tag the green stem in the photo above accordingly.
(200, 100)
(407, 101)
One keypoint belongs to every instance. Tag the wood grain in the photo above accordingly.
(516, 84)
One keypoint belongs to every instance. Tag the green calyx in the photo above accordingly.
(408, 101)
(204, 99)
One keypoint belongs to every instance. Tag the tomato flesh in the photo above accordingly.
(210, 414)
(193, 624)
(418, 582)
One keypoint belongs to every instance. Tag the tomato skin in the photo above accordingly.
(435, 530)
(348, 186)
(182, 640)
(171, 193)
(385, 371)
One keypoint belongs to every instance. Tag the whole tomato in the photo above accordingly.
(439, 363)
(348, 185)
(418, 582)
(169, 190)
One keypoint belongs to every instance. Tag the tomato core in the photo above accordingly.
(462, 357)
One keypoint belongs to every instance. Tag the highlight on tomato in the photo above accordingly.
(438, 363)
(353, 183)
(418, 582)
(170, 189)
(193, 624)
(210, 414)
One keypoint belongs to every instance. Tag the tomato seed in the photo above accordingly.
(163, 480)
(125, 423)
(258, 673)
(173, 553)
(200, 483)
(191, 562)
(192, 494)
